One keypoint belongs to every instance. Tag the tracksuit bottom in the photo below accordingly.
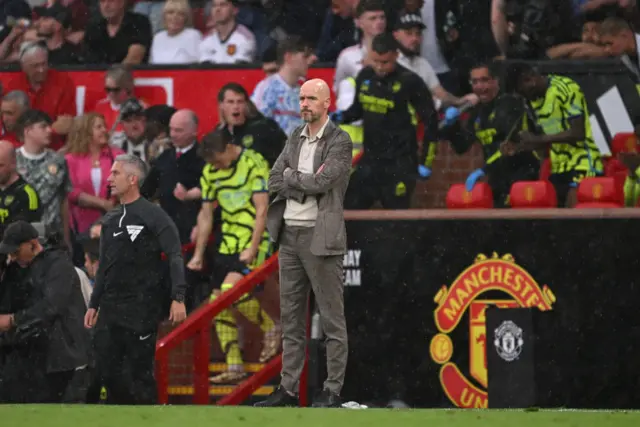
(124, 364)
(389, 181)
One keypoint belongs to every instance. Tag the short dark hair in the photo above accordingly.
(30, 118)
(514, 73)
(91, 248)
(490, 66)
(233, 87)
(614, 25)
(214, 143)
(369, 6)
(270, 54)
(292, 44)
(384, 43)
(598, 15)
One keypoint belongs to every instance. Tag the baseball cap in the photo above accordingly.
(160, 114)
(130, 108)
(408, 20)
(57, 11)
(15, 234)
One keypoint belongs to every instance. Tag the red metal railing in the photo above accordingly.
(198, 327)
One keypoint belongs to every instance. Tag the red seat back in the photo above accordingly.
(613, 166)
(624, 142)
(601, 190)
(545, 169)
(481, 197)
(533, 194)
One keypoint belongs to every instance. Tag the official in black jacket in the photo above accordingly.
(50, 348)
(129, 289)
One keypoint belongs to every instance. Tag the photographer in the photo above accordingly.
(48, 347)
(525, 29)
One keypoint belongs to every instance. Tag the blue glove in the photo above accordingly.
(336, 116)
(451, 115)
(473, 178)
(424, 171)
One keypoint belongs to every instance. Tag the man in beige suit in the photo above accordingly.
(309, 181)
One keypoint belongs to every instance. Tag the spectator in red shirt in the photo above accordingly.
(89, 158)
(49, 90)
(118, 84)
(13, 105)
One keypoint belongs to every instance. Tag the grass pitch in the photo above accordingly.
(211, 416)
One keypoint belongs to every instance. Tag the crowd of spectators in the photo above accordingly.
(457, 33)
(440, 41)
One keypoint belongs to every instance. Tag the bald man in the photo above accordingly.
(175, 175)
(18, 200)
(306, 218)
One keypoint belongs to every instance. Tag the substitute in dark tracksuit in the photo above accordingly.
(497, 118)
(388, 97)
(130, 287)
(48, 349)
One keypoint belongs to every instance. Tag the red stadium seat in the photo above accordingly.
(481, 197)
(603, 191)
(613, 166)
(533, 194)
(545, 169)
(624, 142)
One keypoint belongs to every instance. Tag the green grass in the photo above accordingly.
(210, 416)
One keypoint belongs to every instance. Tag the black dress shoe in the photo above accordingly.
(327, 399)
(279, 398)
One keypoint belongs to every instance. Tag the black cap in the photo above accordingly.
(160, 113)
(16, 234)
(57, 11)
(131, 108)
(91, 247)
(408, 20)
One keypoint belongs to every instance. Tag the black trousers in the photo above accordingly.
(391, 182)
(25, 380)
(501, 181)
(124, 364)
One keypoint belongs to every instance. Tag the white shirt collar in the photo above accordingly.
(30, 156)
(305, 132)
(185, 149)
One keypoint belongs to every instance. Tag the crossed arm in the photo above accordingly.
(295, 185)
(335, 167)
(277, 185)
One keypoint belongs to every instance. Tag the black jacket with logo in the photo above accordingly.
(261, 134)
(131, 283)
(388, 107)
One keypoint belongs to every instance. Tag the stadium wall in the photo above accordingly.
(417, 285)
